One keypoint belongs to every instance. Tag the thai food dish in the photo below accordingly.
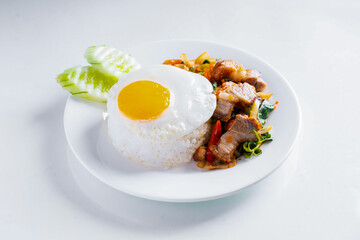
(241, 111)
(207, 110)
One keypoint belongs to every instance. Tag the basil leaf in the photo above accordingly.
(265, 109)
(214, 84)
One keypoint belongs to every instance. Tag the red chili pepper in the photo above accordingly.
(215, 135)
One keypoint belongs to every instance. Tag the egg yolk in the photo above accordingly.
(143, 100)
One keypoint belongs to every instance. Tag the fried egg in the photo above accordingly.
(153, 109)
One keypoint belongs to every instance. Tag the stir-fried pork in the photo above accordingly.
(244, 94)
(224, 107)
(223, 69)
(237, 73)
(254, 78)
(232, 94)
(240, 131)
(200, 154)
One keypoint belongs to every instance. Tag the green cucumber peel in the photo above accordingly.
(110, 60)
(87, 83)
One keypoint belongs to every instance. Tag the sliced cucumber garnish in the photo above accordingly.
(110, 60)
(87, 82)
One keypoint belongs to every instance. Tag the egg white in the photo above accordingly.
(191, 104)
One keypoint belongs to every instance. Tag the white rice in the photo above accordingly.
(160, 155)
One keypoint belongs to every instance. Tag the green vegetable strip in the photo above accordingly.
(87, 83)
(265, 109)
(253, 148)
(110, 60)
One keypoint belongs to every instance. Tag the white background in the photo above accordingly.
(314, 195)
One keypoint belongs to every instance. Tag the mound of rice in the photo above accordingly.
(160, 155)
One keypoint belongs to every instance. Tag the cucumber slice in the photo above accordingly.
(110, 60)
(87, 82)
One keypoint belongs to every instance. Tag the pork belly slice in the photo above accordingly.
(224, 108)
(254, 78)
(240, 131)
(224, 68)
(232, 94)
(237, 73)
(242, 93)
(200, 154)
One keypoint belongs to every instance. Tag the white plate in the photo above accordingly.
(86, 133)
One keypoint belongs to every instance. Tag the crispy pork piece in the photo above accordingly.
(240, 131)
(224, 108)
(231, 94)
(200, 154)
(251, 77)
(237, 73)
(223, 69)
(242, 93)
(254, 78)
